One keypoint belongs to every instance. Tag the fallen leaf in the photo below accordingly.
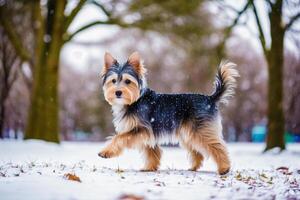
(72, 177)
(238, 176)
(130, 197)
(263, 177)
(284, 170)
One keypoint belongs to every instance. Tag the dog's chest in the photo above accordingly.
(122, 122)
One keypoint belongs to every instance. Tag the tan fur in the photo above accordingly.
(229, 75)
(130, 93)
(196, 160)
(196, 157)
(109, 89)
(136, 62)
(152, 157)
(209, 139)
(128, 140)
(109, 60)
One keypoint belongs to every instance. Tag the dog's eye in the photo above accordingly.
(127, 81)
(114, 81)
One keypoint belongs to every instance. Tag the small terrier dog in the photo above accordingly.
(144, 119)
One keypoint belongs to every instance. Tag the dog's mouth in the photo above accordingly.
(122, 101)
(119, 101)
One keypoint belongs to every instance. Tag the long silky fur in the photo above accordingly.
(225, 82)
(192, 120)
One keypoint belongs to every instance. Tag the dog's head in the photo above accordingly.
(123, 83)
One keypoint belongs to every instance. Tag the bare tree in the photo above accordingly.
(274, 56)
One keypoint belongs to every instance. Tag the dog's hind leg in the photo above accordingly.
(152, 157)
(206, 138)
(186, 135)
(212, 141)
(196, 158)
(219, 153)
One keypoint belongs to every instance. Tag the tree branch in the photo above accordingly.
(239, 14)
(73, 14)
(13, 37)
(87, 26)
(109, 21)
(228, 30)
(106, 12)
(292, 20)
(270, 3)
(260, 30)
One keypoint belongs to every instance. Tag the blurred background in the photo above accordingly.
(51, 54)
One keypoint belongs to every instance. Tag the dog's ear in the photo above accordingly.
(137, 63)
(109, 60)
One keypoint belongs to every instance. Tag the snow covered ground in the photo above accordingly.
(36, 169)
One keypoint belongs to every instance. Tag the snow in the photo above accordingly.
(35, 170)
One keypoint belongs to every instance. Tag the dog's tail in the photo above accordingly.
(225, 82)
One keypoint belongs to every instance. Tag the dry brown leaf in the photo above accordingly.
(72, 177)
(284, 170)
(130, 197)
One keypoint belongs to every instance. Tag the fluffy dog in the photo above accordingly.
(144, 119)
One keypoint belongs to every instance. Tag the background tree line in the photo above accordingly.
(185, 41)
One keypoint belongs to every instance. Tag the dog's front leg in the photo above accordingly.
(113, 149)
(132, 139)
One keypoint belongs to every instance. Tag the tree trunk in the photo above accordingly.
(2, 107)
(275, 136)
(6, 65)
(43, 114)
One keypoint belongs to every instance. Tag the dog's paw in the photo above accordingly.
(193, 169)
(106, 154)
(152, 169)
(224, 171)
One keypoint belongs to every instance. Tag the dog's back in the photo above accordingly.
(164, 113)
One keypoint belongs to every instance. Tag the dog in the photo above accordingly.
(144, 119)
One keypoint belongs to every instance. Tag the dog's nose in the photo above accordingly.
(118, 93)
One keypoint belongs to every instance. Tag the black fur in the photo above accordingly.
(165, 112)
(220, 86)
(120, 70)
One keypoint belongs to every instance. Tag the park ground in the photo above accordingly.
(40, 170)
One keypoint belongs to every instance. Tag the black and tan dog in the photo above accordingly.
(143, 119)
